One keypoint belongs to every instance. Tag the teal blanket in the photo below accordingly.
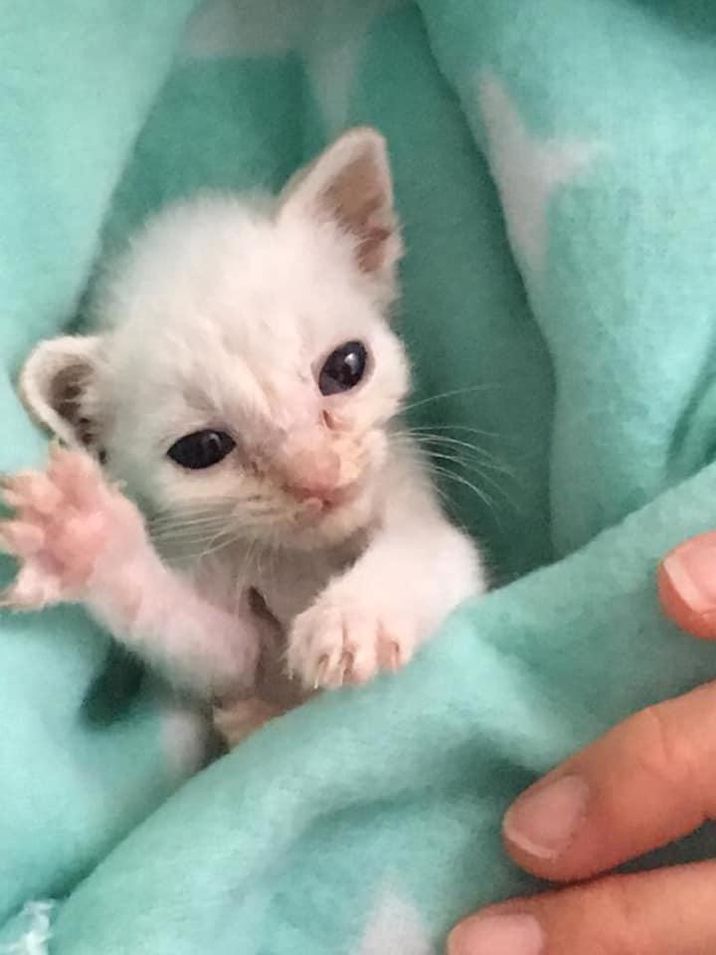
(554, 165)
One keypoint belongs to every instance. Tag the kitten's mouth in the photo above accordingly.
(316, 508)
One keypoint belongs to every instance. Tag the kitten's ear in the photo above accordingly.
(58, 385)
(350, 183)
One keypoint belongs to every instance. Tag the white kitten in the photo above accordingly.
(243, 384)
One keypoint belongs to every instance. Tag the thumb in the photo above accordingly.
(687, 585)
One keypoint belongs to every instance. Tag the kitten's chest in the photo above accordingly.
(288, 581)
(289, 585)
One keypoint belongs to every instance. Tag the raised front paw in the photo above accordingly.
(347, 637)
(68, 520)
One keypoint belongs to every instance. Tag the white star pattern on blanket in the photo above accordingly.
(395, 928)
(232, 28)
(236, 28)
(527, 170)
(334, 56)
(330, 39)
(37, 931)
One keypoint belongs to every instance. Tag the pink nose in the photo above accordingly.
(312, 474)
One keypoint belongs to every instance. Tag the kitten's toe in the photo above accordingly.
(322, 666)
(393, 653)
(360, 648)
(31, 493)
(316, 648)
(21, 539)
(33, 589)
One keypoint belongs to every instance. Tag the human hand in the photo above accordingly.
(647, 782)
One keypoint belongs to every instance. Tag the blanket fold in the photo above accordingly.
(553, 167)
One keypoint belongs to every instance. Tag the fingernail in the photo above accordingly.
(497, 935)
(544, 820)
(690, 570)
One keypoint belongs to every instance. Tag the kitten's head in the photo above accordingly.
(245, 375)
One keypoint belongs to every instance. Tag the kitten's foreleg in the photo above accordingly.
(417, 569)
(79, 539)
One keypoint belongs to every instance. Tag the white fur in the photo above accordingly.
(220, 315)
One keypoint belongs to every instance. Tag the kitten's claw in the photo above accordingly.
(347, 662)
(321, 670)
(394, 661)
(341, 639)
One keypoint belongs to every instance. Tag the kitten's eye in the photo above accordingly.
(343, 368)
(201, 449)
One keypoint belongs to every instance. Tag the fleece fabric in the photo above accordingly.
(554, 165)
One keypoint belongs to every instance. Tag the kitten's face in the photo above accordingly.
(248, 377)
(259, 346)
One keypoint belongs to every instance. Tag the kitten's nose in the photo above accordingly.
(313, 474)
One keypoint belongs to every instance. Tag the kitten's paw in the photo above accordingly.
(346, 638)
(67, 519)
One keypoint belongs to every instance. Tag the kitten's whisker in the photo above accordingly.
(431, 433)
(452, 459)
(188, 550)
(459, 479)
(250, 556)
(260, 508)
(201, 547)
(486, 472)
(217, 543)
(471, 466)
(191, 533)
(467, 455)
(186, 533)
(189, 515)
(449, 394)
(260, 519)
(483, 456)
(425, 434)
(455, 427)
(160, 526)
(181, 533)
(448, 503)
(187, 511)
(195, 527)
